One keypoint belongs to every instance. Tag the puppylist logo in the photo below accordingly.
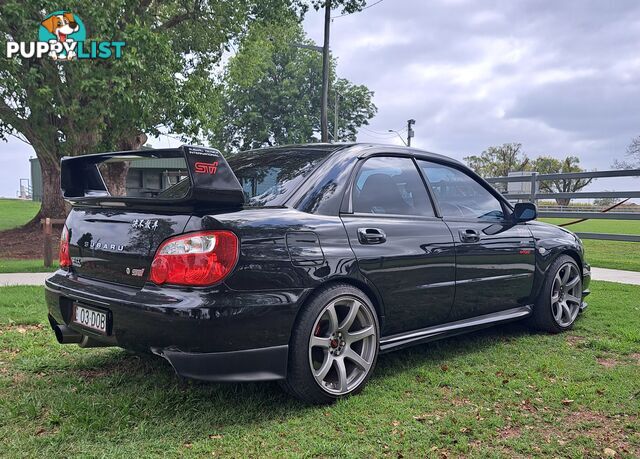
(63, 37)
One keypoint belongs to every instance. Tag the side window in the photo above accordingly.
(388, 185)
(459, 195)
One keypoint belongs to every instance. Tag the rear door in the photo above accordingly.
(495, 259)
(401, 246)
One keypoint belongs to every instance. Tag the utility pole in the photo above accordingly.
(410, 132)
(324, 125)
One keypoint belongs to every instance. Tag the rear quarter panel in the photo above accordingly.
(282, 248)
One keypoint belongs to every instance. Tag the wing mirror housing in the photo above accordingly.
(524, 212)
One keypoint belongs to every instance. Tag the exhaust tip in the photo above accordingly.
(65, 335)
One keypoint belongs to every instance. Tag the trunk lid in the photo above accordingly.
(118, 245)
(125, 204)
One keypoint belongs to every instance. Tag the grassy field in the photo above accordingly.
(8, 265)
(600, 226)
(608, 254)
(16, 212)
(503, 392)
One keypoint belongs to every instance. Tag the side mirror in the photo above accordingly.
(524, 212)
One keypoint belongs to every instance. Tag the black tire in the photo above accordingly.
(543, 311)
(300, 381)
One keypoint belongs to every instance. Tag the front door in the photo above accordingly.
(402, 248)
(495, 258)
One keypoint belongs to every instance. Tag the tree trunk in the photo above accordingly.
(53, 205)
(563, 201)
(115, 174)
(115, 177)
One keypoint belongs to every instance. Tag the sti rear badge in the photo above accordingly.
(206, 168)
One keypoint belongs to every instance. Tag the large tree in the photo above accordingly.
(271, 91)
(162, 81)
(550, 165)
(499, 161)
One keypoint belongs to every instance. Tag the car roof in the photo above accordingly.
(360, 149)
(365, 150)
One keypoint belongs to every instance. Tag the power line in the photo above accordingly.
(365, 8)
(377, 133)
(385, 133)
(373, 130)
(399, 136)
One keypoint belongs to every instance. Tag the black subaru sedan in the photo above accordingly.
(299, 263)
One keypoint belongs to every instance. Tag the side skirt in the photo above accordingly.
(400, 340)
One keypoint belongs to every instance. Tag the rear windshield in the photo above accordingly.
(268, 177)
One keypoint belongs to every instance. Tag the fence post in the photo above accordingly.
(48, 257)
(534, 187)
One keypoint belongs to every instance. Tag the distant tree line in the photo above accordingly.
(500, 160)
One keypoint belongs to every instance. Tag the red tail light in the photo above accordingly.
(65, 258)
(197, 259)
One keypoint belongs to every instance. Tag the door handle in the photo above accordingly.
(371, 236)
(469, 235)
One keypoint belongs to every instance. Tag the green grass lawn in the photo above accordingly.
(613, 254)
(16, 212)
(608, 254)
(599, 226)
(503, 392)
(8, 265)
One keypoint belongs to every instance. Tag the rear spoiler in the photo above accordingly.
(211, 179)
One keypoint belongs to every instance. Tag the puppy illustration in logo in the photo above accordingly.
(61, 25)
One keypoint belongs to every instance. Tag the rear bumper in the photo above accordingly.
(213, 334)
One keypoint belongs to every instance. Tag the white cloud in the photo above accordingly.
(560, 77)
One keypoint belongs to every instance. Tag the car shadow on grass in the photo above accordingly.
(127, 375)
(448, 349)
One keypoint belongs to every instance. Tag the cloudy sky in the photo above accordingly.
(561, 77)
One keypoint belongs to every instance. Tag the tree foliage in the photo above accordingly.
(271, 92)
(499, 161)
(550, 165)
(346, 6)
(162, 80)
